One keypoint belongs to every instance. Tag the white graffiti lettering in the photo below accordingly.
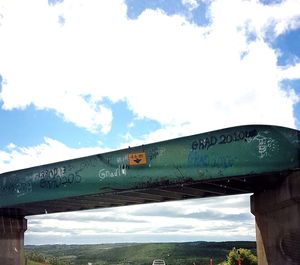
(118, 172)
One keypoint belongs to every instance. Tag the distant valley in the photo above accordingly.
(134, 253)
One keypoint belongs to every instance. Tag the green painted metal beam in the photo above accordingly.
(236, 154)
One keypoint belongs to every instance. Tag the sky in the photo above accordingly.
(81, 77)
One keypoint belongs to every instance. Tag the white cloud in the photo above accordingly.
(292, 72)
(47, 152)
(143, 223)
(255, 16)
(187, 77)
(165, 68)
(191, 4)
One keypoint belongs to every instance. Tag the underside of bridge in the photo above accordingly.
(157, 192)
(256, 159)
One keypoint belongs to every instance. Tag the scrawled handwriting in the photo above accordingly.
(197, 159)
(155, 152)
(88, 163)
(204, 143)
(122, 159)
(15, 185)
(56, 171)
(60, 179)
(112, 173)
(265, 145)
(210, 141)
(19, 188)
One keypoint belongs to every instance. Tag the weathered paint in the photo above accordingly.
(237, 151)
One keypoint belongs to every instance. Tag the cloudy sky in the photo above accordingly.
(80, 77)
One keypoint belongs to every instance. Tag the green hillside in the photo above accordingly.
(30, 262)
(140, 254)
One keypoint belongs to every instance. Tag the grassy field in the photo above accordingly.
(30, 262)
(140, 254)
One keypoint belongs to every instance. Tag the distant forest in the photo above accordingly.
(188, 253)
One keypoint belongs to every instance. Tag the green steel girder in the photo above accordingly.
(235, 160)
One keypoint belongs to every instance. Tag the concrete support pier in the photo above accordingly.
(12, 230)
(277, 216)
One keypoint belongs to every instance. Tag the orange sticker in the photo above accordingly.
(135, 159)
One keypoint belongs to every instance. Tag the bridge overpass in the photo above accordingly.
(258, 159)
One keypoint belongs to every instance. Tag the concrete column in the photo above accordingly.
(12, 230)
(260, 249)
(277, 216)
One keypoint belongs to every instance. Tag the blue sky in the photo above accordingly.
(84, 77)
